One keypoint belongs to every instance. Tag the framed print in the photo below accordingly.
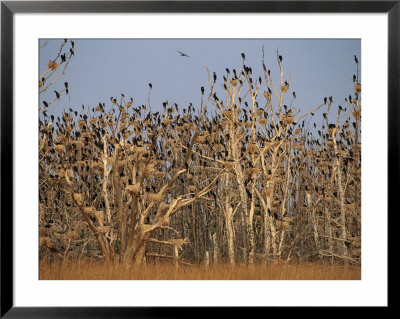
(196, 154)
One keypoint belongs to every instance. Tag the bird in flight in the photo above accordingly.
(183, 54)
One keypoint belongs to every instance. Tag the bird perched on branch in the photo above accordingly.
(72, 51)
(243, 56)
(63, 59)
(183, 54)
(280, 58)
(150, 85)
(355, 59)
(57, 94)
(66, 87)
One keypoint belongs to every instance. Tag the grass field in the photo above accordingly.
(87, 270)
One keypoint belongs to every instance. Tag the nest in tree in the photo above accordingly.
(133, 188)
(90, 211)
(228, 114)
(267, 191)
(357, 114)
(79, 198)
(139, 149)
(160, 174)
(199, 139)
(155, 197)
(253, 171)
(287, 119)
(267, 95)
(274, 210)
(332, 131)
(224, 123)
(357, 87)
(229, 163)
(164, 207)
(259, 112)
(252, 148)
(81, 124)
(149, 170)
(284, 88)
(52, 65)
(234, 82)
(287, 219)
(282, 225)
(263, 121)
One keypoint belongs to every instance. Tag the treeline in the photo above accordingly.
(242, 177)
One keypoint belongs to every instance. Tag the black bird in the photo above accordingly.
(269, 72)
(227, 70)
(355, 59)
(280, 58)
(72, 51)
(72, 44)
(45, 104)
(63, 58)
(150, 85)
(243, 56)
(325, 100)
(66, 85)
(354, 78)
(57, 94)
(294, 94)
(215, 77)
(331, 99)
(183, 54)
(202, 90)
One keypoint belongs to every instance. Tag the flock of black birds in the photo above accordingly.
(167, 139)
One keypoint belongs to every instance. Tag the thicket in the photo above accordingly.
(243, 177)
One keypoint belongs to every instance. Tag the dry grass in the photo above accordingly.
(87, 270)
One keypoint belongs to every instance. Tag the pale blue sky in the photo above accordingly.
(104, 68)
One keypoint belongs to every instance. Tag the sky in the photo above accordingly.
(104, 68)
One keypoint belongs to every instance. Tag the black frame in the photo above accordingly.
(8, 8)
